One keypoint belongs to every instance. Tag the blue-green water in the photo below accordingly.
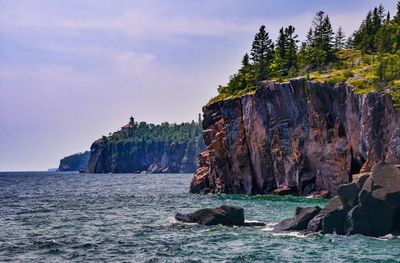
(129, 218)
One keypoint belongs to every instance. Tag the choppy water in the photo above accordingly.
(129, 218)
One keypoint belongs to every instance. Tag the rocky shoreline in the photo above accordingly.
(369, 205)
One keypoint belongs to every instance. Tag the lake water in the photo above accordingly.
(50, 217)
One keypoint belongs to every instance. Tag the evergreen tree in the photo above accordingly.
(291, 46)
(318, 49)
(365, 38)
(310, 34)
(327, 38)
(317, 23)
(262, 53)
(246, 74)
(285, 57)
(362, 38)
(242, 80)
(281, 43)
(396, 18)
(349, 42)
(339, 39)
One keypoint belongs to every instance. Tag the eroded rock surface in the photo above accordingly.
(150, 157)
(369, 205)
(298, 137)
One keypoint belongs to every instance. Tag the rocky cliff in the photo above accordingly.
(75, 162)
(148, 148)
(136, 157)
(299, 137)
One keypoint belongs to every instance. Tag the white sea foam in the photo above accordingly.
(269, 227)
(289, 234)
(388, 237)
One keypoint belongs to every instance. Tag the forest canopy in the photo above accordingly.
(144, 132)
(369, 59)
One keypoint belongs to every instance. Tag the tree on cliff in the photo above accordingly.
(285, 57)
(325, 55)
(262, 53)
(396, 18)
(318, 48)
(244, 79)
(339, 39)
(365, 38)
(322, 34)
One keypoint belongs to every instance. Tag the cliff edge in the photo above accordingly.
(299, 137)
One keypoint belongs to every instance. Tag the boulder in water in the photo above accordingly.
(224, 215)
(301, 218)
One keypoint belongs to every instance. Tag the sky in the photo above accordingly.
(72, 71)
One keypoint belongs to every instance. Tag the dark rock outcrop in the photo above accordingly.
(302, 217)
(369, 205)
(150, 157)
(224, 215)
(75, 162)
(298, 137)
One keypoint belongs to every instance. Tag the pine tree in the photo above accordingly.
(339, 39)
(262, 46)
(262, 53)
(363, 38)
(281, 43)
(327, 38)
(317, 32)
(381, 12)
(242, 80)
(291, 47)
(285, 57)
(310, 36)
(246, 74)
(396, 18)
(321, 35)
(366, 37)
(349, 42)
(383, 38)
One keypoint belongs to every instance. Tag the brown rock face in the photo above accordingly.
(302, 136)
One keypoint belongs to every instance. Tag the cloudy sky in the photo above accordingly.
(74, 70)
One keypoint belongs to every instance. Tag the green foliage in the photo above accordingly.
(369, 59)
(261, 54)
(388, 69)
(366, 37)
(148, 133)
(312, 58)
(322, 35)
(284, 62)
(339, 39)
(243, 80)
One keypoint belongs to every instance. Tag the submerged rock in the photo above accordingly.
(369, 205)
(224, 215)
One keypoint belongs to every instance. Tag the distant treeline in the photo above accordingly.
(148, 132)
